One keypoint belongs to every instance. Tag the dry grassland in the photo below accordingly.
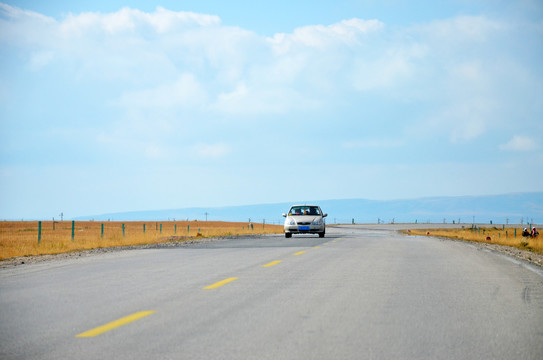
(491, 235)
(20, 238)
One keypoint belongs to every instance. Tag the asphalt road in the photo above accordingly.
(356, 294)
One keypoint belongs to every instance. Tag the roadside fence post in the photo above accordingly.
(102, 231)
(123, 230)
(73, 230)
(39, 232)
(161, 228)
(144, 228)
(175, 229)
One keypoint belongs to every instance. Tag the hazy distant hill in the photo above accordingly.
(511, 208)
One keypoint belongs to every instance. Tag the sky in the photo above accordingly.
(111, 106)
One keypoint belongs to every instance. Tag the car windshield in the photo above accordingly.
(304, 210)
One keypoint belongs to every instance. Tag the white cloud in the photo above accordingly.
(131, 20)
(461, 120)
(381, 73)
(468, 80)
(41, 59)
(467, 71)
(460, 30)
(156, 152)
(346, 32)
(373, 144)
(243, 100)
(185, 92)
(211, 151)
(26, 29)
(520, 143)
(18, 14)
(159, 64)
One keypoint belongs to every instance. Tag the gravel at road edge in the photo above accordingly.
(525, 255)
(169, 242)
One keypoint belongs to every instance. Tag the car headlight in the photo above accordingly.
(317, 221)
(290, 221)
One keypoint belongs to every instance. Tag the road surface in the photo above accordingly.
(356, 294)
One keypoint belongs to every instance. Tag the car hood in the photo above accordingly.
(304, 218)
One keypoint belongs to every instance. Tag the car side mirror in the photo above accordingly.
(284, 215)
(325, 215)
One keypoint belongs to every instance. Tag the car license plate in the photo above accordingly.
(303, 228)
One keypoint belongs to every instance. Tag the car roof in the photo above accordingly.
(305, 205)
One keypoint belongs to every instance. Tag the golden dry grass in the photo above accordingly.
(20, 238)
(497, 236)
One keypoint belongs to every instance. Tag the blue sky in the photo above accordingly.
(122, 106)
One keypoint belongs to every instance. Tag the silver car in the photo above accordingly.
(305, 219)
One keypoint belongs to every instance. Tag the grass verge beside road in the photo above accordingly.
(507, 236)
(24, 238)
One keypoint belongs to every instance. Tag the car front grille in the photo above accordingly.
(304, 223)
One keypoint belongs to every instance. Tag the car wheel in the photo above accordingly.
(321, 234)
(287, 235)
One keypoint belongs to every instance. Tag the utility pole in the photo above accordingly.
(206, 214)
(61, 216)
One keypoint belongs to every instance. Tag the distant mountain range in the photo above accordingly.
(520, 208)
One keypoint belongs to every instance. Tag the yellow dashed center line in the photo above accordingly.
(221, 283)
(115, 324)
(272, 263)
(136, 316)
